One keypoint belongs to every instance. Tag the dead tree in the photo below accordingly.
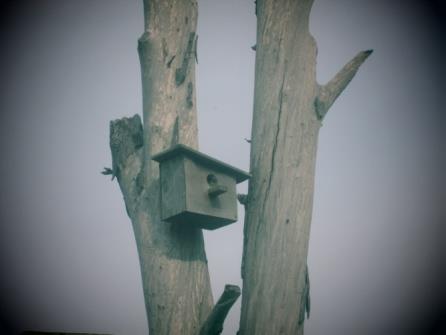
(288, 109)
(173, 262)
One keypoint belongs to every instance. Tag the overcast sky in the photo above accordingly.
(68, 258)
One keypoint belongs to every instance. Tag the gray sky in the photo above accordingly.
(67, 253)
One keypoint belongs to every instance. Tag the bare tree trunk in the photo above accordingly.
(288, 108)
(173, 262)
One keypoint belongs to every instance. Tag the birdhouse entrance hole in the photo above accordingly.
(214, 188)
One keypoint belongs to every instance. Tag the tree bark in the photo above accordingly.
(288, 109)
(173, 262)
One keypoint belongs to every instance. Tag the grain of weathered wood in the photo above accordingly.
(288, 108)
(173, 263)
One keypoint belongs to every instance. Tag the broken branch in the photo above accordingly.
(126, 142)
(329, 92)
(242, 199)
(126, 137)
(214, 323)
(108, 171)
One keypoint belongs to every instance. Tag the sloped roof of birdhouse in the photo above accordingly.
(198, 157)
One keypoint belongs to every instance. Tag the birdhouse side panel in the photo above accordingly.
(173, 187)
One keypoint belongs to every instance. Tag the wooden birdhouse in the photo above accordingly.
(196, 189)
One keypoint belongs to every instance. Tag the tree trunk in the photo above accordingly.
(288, 109)
(173, 262)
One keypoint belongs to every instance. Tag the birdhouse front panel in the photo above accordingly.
(210, 193)
(197, 190)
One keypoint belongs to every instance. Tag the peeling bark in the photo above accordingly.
(288, 108)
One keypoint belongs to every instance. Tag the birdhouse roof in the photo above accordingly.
(198, 157)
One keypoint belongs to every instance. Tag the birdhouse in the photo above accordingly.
(196, 189)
